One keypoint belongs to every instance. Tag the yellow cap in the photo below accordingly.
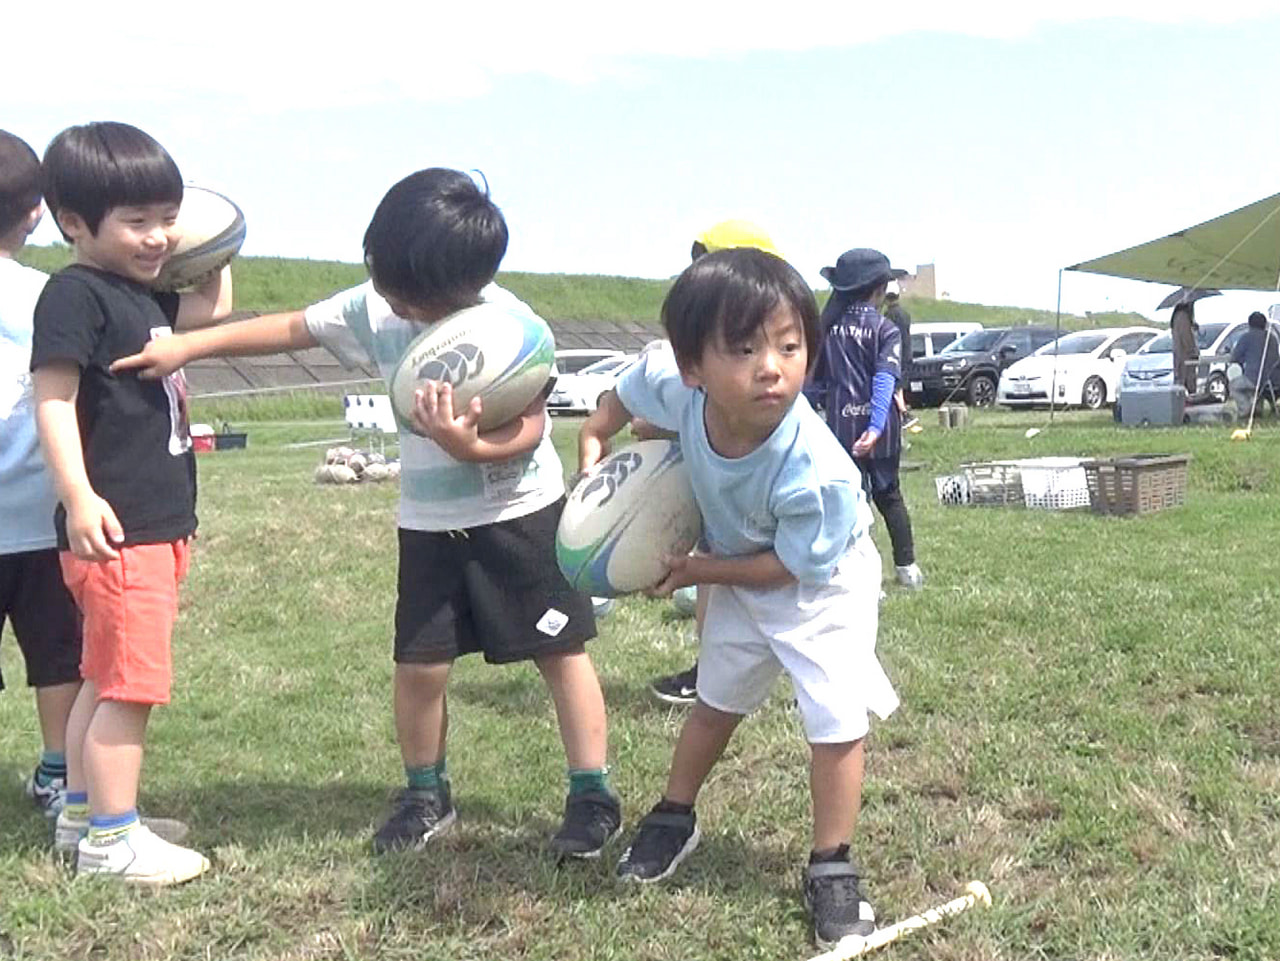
(736, 233)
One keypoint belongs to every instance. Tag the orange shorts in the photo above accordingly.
(129, 607)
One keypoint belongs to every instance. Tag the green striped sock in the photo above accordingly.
(589, 779)
(427, 775)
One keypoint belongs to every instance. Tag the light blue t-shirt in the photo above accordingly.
(799, 493)
(27, 497)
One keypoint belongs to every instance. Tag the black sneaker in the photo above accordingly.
(419, 815)
(663, 840)
(833, 894)
(679, 688)
(591, 820)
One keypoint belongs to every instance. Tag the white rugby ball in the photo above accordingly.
(212, 231)
(634, 508)
(499, 352)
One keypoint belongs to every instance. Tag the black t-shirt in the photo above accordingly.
(134, 433)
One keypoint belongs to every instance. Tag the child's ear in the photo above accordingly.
(691, 376)
(72, 224)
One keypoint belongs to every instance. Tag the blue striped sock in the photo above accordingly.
(105, 829)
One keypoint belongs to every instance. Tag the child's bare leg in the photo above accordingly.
(77, 725)
(835, 781)
(113, 755)
(421, 713)
(703, 738)
(579, 702)
(53, 706)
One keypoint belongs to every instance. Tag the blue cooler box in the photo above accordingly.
(1159, 406)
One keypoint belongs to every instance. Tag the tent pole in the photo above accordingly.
(1057, 334)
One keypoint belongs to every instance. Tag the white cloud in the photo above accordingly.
(270, 56)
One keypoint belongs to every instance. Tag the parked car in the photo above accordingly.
(1081, 368)
(581, 392)
(930, 337)
(1153, 365)
(968, 369)
(572, 360)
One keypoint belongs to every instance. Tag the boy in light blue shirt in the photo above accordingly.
(793, 575)
(33, 598)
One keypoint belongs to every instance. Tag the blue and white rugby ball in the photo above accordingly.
(633, 509)
(212, 231)
(498, 352)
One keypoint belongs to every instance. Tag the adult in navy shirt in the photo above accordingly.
(853, 381)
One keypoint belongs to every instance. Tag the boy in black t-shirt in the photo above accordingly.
(120, 454)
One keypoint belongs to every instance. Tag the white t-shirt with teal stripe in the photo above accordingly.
(437, 492)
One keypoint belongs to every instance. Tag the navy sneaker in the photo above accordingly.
(591, 820)
(418, 816)
(681, 688)
(663, 840)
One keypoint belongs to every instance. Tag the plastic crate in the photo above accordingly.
(1138, 484)
(952, 489)
(1054, 483)
(995, 484)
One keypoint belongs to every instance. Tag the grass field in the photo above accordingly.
(1090, 723)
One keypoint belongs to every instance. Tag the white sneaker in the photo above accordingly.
(140, 857)
(68, 832)
(49, 798)
(910, 576)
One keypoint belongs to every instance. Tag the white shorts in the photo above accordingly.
(823, 637)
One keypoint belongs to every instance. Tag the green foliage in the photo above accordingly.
(1088, 724)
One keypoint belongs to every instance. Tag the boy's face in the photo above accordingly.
(751, 386)
(132, 241)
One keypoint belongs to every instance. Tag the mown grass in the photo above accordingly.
(1089, 724)
(266, 284)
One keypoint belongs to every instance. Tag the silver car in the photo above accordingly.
(1152, 366)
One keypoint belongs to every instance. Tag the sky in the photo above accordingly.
(998, 141)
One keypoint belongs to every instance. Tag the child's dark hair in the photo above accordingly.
(436, 238)
(729, 295)
(95, 167)
(19, 181)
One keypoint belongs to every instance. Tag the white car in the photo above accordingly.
(581, 392)
(1152, 367)
(1087, 363)
(573, 359)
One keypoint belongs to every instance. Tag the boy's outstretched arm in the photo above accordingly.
(593, 437)
(92, 526)
(269, 334)
(208, 303)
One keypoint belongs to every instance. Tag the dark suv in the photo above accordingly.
(968, 369)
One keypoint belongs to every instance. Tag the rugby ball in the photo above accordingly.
(632, 510)
(498, 352)
(212, 230)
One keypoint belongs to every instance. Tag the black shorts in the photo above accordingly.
(44, 617)
(495, 589)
